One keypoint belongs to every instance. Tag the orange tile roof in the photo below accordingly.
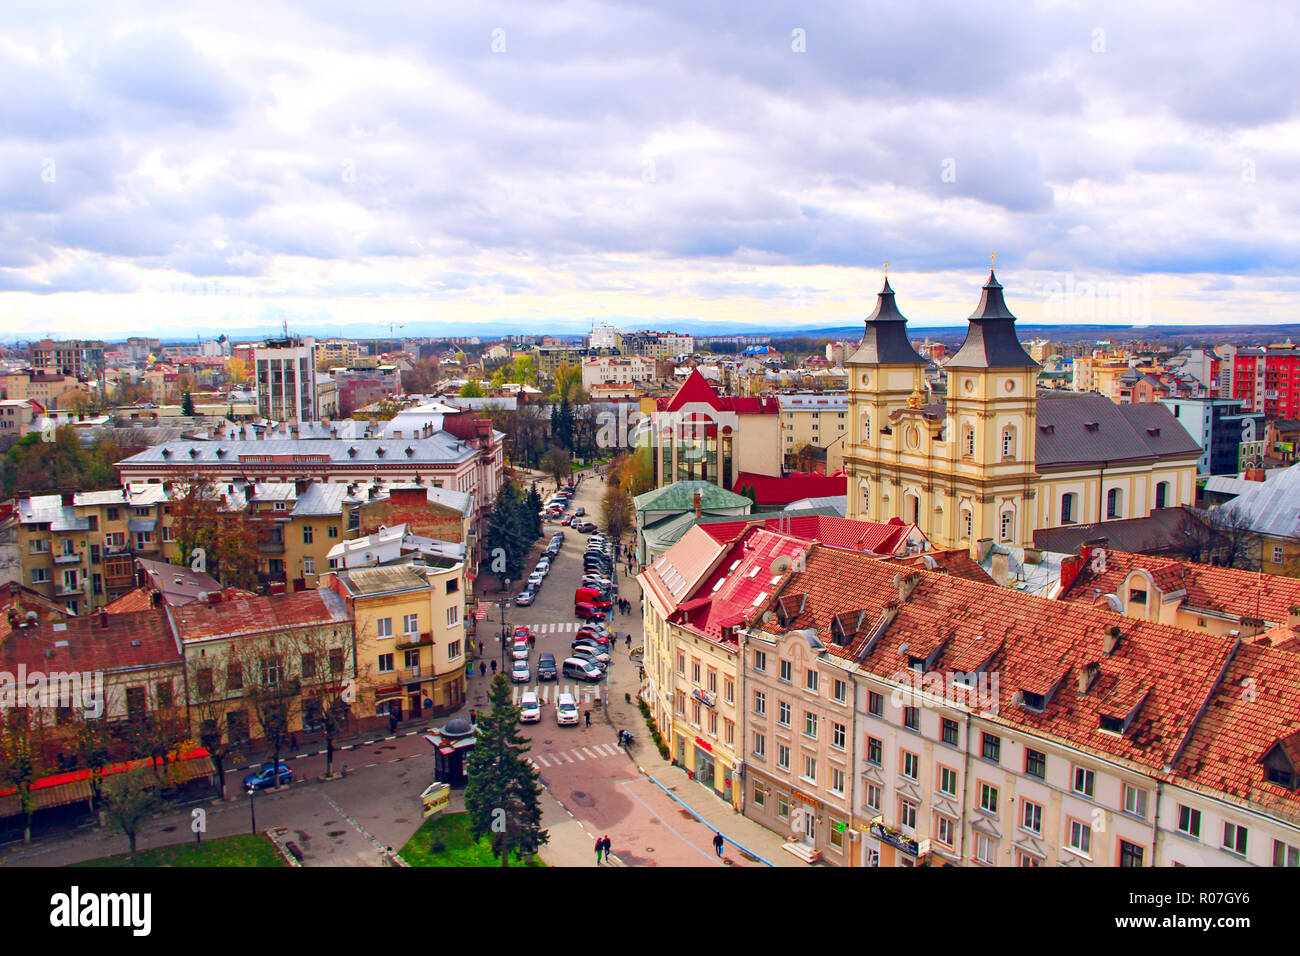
(1229, 591)
(97, 642)
(955, 561)
(1030, 643)
(240, 614)
(136, 599)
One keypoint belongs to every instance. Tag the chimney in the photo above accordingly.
(906, 584)
(156, 598)
(67, 497)
(696, 503)
(1070, 568)
(1001, 569)
(103, 618)
(982, 548)
(1110, 641)
(1088, 675)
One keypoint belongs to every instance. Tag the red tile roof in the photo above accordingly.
(136, 599)
(773, 490)
(955, 561)
(240, 615)
(1036, 644)
(832, 531)
(696, 390)
(1235, 593)
(95, 643)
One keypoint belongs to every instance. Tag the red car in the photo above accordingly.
(588, 612)
(568, 520)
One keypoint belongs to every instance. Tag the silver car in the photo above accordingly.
(520, 673)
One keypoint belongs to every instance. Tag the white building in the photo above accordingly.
(286, 380)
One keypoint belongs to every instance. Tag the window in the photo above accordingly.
(948, 781)
(1137, 596)
(681, 664)
(306, 534)
(782, 757)
(783, 714)
(873, 797)
(1162, 494)
(695, 712)
(967, 523)
(810, 725)
(988, 798)
(760, 746)
(713, 723)
(1027, 859)
(40, 546)
(411, 624)
(729, 731)
(308, 666)
(1114, 503)
(1008, 442)
(1031, 817)
(453, 615)
(1035, 764)
(906, 814)
(1008, 522)
(986, 849)
(1234, 838)
(949, 731)
(1083, 782)
(990, 747)
(453, 650)
(840, 691)
(163, 694)
(1189, 821)
(759, 798)
(453, 585)
(968, 441)
(810, 769)
(1130, 854)
(235, 677)
(729, 690)
(760, 662)
(760, 703)
(384, 627)
(1067, 508)
(1135, 801)
(385, 663)
(40, 575)
(1277, 554)
(336, 660)
(308, 564)
(712, 684)
(787, 672)
(839, 734)
(782, 806)
(810, 680)
(875, 704)
(912, 718)
(1285, 855)
(695, 673)
(333, 531)
(836, 833)
(875, 751)
(945, 829)
(1079, 837)
(911, 765)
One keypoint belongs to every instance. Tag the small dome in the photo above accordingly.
(457, 727)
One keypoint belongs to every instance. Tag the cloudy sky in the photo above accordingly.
(181, 167)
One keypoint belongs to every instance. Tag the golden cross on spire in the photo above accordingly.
(992, 258)
(886, 268)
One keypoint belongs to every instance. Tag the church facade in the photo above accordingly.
(997, 459)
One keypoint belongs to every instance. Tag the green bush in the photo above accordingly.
(438, 845)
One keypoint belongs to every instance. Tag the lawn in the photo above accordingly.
(458, 847)
(243, 850)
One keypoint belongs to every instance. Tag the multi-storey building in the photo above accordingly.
(617, 370)
(285, 373)
(75, 358)
(1218, 426)
(819, 419)
(998, 459)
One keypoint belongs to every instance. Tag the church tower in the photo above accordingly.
(885, 374)
(989, 431)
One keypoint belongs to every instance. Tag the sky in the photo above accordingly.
(180, 168)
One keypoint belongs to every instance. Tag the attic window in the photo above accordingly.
(1047, 429)
(1114, 725)
(409, 451)
(1153, 432)
(380, 451)
(194, 453)
(1090, 426)
(221, 453)
(166, 452)
(1030, 701)
(1281, 777)
(352, 452)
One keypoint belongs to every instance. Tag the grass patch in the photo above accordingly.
(445, 840)
(242, 850)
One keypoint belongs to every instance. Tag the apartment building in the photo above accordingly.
(74, 357)
(1266, 380)
(285, 373)
(616, 370)
(819, 419)
(15, 418)
(1218, 426)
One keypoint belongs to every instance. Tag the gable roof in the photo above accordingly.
(696, 390)
(1272, 507)
(242, 615)
(1074, 428)
(680, 496)
(783, 489)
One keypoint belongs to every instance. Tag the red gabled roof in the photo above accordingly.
(250, 614)
(772, 490)
(830, 530)
(136, 599)
(94, 643)
(697, 390)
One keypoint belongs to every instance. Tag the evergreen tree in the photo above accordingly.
(187, 404)
(506, 538)
(534, 510)
(502, 794)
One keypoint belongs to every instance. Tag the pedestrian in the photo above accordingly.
(600, 848)
(605, 840)
(473, 716)
(717, 844)
(392, 723)
(587, 715)
(629, 643)
(293, 741)
(532, 640)
(494, 665)
(482, 669)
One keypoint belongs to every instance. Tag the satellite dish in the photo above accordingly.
(781, 564)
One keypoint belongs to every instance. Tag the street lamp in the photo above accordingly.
(503, 634)
(252, 809)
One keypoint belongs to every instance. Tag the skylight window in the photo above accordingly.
(721, 582)
(734, 564)
(762, 596)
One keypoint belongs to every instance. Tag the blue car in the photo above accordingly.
(265, 777)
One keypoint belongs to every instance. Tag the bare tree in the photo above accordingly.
(1223, 537)
(129, 798)
(272, 687)
(329, 685)
(22, 758)
(211, 703)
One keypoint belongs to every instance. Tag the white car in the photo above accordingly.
(520, 672)
(535, 579)
(530, 711)
(520, 651)
(566, 710)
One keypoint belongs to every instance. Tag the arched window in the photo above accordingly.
(1114, 503)
(1067, 508)
(1008, 524)
(1009, 441)
(912, 508)
(967, 523)
(866, 499)
(1162, 494)
(968, 441)
(866, 428)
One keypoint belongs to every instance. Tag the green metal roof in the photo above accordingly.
(680, 496)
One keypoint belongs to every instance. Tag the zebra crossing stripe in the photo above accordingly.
(542, 760)
(606, 749)
(579, 756)
(589, 753)
(568, 758)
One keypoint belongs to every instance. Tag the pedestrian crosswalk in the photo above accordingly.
(550, 758)
(554, 627)
(549, 693)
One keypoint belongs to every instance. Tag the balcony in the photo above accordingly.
(270, 547)
(66, 590)
(416, 674)
(65, 558)
(425, 639)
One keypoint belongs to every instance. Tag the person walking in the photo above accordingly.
(494, 665)
(532, 640)
(482, 669)
(606, 841)
(473, 716)
(629, 643)
(600, 848)
(587, 716)
(717, 844)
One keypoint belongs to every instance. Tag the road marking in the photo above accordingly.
(590, 754)
(711, 857)
(542, 760)
(578, 755)
(568, 758)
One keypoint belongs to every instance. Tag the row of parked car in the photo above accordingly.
(555, 505)
(594, 598)
(526, 596)
(566, 709)
(589, 656)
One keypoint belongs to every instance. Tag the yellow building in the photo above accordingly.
(819, 419)
(998, 459)
(409, 622)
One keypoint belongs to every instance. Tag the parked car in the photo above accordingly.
(588, 612)
(546, 669)
(530, 709)
(579, 512)
(577, 668)
(265, 776)
(593, 651)
(519, 650)
(598, 581)
(521, 631)
(595, 596)
(520, 673)
(568, 520)
(585, 528)
(524, 598)
(597, 564)
(566, 710)
(535, 580)
(599, 631)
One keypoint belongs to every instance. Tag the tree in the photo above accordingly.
(225, 541)
(129, 799)
(635, 471)
(22, 758)
(92, 747)
(568, 383)
(271, 687)
(502, 794)
(1222, 536)
(616, 510)
(158, 733)
(187, 404)
(210, 704)
(557, 464)
(533, 510)
(471, 389)
(237, 369)
(328, 690)
(505, 538)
